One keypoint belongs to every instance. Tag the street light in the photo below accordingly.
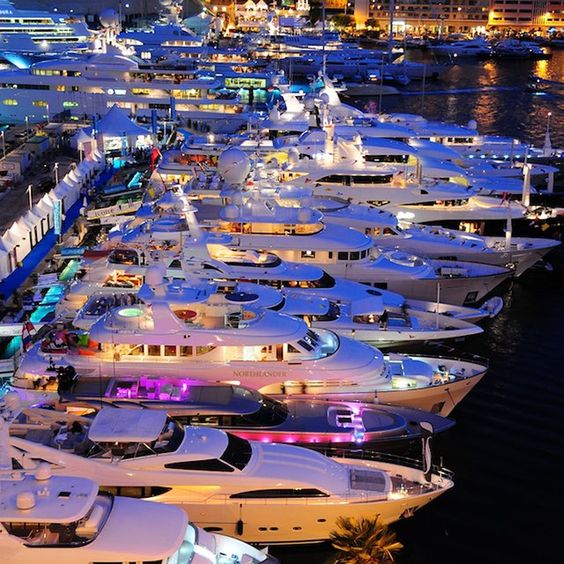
(29, 193)
(56, 170)
(3, 144)
(26, 127)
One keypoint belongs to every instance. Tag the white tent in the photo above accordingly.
(5, 261)
(20, 234)
(45, 206)
(116, 131)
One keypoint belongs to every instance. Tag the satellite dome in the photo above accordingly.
(154, 275)
(25, 501)
(165, 3)
(472, 124)
(293, 155)
(231, 211)
(309, 102)
(324, 97)
(233, 165)
(109, 18)
(43, 472)
(237, 198)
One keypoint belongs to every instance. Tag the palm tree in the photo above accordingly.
(363, 541)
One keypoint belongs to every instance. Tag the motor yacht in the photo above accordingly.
(232, 341)
(477, 48)
(510, 48)
(72, 84)
(517, 253)
(244, 412)
(299, 234)
(234, 486)
(69, 519)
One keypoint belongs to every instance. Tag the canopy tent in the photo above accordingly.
(5, 262)
(20, 234)
(115, 131)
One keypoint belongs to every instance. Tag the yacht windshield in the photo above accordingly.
(238, 452)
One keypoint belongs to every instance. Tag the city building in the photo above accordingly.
(526, 15)
(419, 16)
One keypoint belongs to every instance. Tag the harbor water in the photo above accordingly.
(507, 449)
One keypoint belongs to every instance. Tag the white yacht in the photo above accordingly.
(510, 48)
(240, 488)
(91, 84)
(464, 48)
(517, 253)
(35, 33)
(226, 339)
(69, 519)
(298, 234)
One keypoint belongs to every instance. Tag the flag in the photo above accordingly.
(155, 154)
(28, 330)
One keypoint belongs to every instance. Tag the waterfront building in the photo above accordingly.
(419, 16)
(527, 15)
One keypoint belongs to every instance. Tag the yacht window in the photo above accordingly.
(355, 255)
(389, 231)
(342, 255)
(305, 345)
(170, 350)
(175, 264)
(308, 254)
(135, 350)
(330, 254)
(326, 281)
(298, 492)
(185, 350)
(238, 452)
(209, 465)
(368, 231)
(154, 350)
(204, 350)
(292, 349)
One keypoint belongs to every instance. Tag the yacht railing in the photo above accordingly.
(387, 458)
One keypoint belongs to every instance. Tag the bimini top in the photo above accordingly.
(127, 425)
(27, 499)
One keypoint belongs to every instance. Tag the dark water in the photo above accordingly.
(507, 449)
(511, 111)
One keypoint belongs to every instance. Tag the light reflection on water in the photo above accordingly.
(507, 449)
(514, 112)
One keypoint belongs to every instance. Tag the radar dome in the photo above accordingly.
(233, 165)
(309, 102)
(293, 155)
(231, 211)
(237, 198)
(109, 18)
(165, 3)
(472, 124)
(154, 276)
(25, 501)
(43, 472)
(324, 97)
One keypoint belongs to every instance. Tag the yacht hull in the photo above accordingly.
(455, 291)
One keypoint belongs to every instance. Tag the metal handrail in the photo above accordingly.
(363, 454)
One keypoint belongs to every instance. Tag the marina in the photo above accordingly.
(290, 267)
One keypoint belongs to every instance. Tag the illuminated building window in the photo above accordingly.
(10, 102)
